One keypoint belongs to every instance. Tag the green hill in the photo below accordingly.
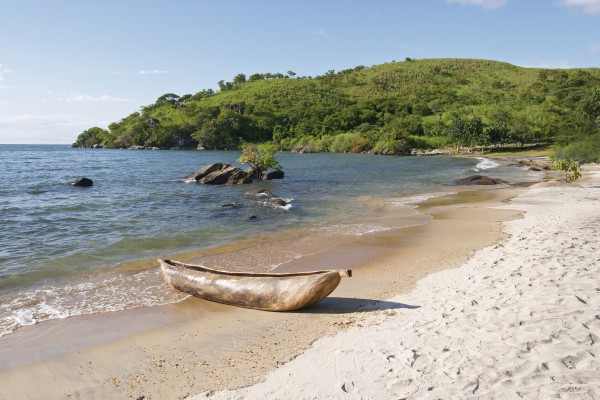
(387, 108)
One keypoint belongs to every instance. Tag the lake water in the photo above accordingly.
(68, 250)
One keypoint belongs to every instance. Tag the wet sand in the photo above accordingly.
(170, 352)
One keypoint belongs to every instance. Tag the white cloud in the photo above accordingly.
(153, 72)
(587, 6)
(3, 103)
(3, 71)
(594, 48)
(48, 128)
(488, 4)
(68, 119)
(101, 99)
(562, 64)
(322, 32)
(81, 98)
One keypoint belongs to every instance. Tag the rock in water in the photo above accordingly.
(83, 182)
(273, 175)
(220, 174)
(261, 192)
(480, 180)
(275, 201)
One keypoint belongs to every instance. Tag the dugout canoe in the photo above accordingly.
(260, 291)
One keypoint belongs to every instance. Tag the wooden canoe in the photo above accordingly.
(261, 291)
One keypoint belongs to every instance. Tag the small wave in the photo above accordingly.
(412, 201)
(276, 202)
(351, 229)
(485, 163)
(115, 293)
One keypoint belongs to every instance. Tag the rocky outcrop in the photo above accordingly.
(220, 174)
(480, 180)
(82, 182)
(539, 164)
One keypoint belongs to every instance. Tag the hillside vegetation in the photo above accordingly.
(388, 109)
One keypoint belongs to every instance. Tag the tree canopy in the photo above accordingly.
(416, 103)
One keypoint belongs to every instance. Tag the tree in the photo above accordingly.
(91, 137)
(222, 132)
(239, 78)
(569, 167)
(466, 132)
(260, 158)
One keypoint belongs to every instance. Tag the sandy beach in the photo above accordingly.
(520, 316)
(520, 319)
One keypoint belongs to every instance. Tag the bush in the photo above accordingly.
(260, 158)
(569, 167)
(584, 151)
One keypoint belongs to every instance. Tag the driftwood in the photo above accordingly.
(260, 291)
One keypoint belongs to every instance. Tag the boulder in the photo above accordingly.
(273, 175)
(222, 174)
(82, 182)
(541, 164)
(201, 173)
(479, 180)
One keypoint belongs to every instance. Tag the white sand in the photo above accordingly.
(519, 320)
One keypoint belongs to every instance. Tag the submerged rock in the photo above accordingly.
(82, 182)
(276, 201)
(480, 180)
(261, 192)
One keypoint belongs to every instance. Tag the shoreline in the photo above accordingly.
(519, 319)
(161, 353)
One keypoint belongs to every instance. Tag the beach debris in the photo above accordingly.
(480, 180)
(82, 182)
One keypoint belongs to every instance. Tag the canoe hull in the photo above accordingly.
(269, 292)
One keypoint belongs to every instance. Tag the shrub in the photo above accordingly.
(569, 167)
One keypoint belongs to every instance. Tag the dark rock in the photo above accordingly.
(273, 175)
(275, 201)
(220, 174)
(82, 182)
(252, 217)
(228, 205)
(479, 180)
(385, 151)
(542, 165)
(201, 173)
(535, 169)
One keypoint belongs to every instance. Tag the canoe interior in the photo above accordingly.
(261, 291)
(249, 274)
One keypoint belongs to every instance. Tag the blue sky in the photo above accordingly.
(68, 65)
